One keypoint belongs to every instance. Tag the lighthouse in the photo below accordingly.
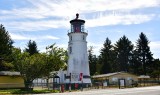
(78, 66)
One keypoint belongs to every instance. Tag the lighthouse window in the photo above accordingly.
(71, 38)
(82, 28)
(77, 28)
(70, 50)
(83, 37)
(72, 29)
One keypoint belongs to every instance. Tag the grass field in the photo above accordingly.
(18, 91)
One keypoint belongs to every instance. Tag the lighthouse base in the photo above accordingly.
(75, 78)
(77, 86)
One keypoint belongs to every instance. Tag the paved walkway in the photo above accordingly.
(155, 90)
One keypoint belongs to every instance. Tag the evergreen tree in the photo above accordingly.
(144, 54)
(123, 49)
(5, 49)
(31, 47)
(135, 64)
(106, 57)
(156, 71)
(92, 61)
(5, 43)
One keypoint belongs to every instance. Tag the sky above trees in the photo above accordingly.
(47, 21)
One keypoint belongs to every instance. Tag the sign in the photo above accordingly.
(74, 76)
(105, 83)
(121, 82)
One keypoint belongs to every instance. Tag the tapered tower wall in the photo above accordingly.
(78, 66)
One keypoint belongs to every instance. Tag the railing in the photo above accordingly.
(85, 31)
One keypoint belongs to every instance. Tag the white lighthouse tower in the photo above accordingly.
(78, 66)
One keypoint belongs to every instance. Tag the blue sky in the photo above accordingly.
(47, 21)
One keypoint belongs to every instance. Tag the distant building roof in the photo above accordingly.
(143, 77)
(105, 75)
(10, 73)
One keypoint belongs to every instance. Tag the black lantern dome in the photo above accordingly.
(77, 25)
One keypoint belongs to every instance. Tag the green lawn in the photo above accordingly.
(18, 91)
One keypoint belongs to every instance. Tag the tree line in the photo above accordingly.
(125, 56)
(122, 56)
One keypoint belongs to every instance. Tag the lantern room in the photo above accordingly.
(77, 25)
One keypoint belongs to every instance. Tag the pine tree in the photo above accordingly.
(5, 49)
(156, 71)
(5, 43)
(123, 49)
(92, 61)
(106, 57)
(144, 54)
(31, 47)
(135, 67)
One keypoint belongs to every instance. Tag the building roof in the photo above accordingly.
(77, 19)
(105, 75)
(143, 77)
(10, 73)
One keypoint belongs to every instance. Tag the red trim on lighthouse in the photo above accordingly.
(81, 76)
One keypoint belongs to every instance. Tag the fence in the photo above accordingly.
(75, 86)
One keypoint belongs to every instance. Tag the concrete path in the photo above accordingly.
(155, 90)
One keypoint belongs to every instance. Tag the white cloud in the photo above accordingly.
(103, 20)
(50, 37)
(36, 25)
(119, 19)
(155, 48)
(96, 47)
(18, 37)
(42, 15)
(68, 8)
(31, 37)
(47, 14)
(65, 46)
(155, 45)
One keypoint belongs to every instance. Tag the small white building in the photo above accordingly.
(113, 78)
(43, 81)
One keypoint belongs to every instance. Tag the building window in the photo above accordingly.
(70, 50)
(71, 38)
(114, 79)
(129, 78)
